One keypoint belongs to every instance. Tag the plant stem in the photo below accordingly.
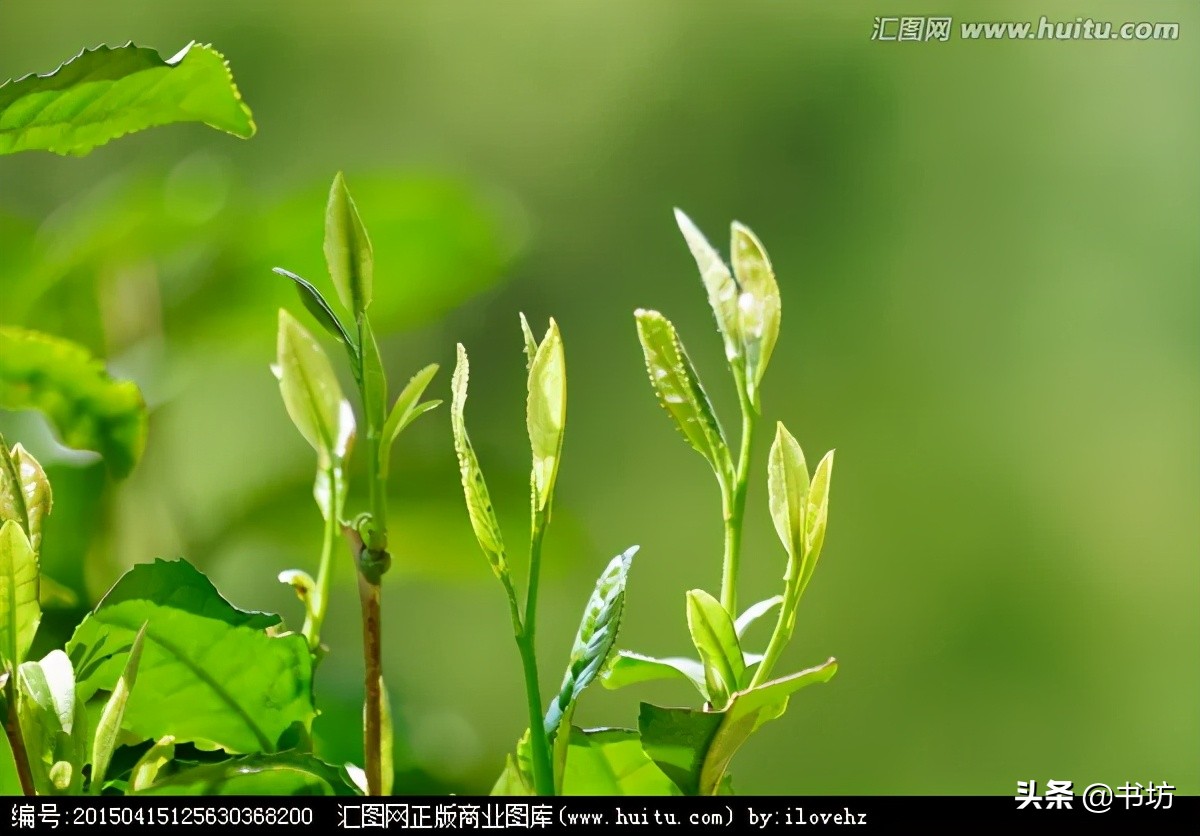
(780, 636)
(543, 764)
(369, 596)
(316, 615)
(734, 511)
(16, 742)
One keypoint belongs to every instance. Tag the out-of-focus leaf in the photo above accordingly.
(546, 413)
(758, 306)
(348, 249)
(309, 386)
(195, 651)
(288, 773)
(628, 668)
(320, 309)
(107, 92)
(517, 775)
(52, 723)
(387, 743)
(694, 748)
(108, 729)
(25, 494)
(90, 410)
(679, 391)
(53, 595)
(479, 502)
(612, 762)
(594, 639)
(716, 641)
(146, 771)
(20, 612)
(721, 287)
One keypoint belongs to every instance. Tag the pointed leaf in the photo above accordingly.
(406, 409)
(52, 723)
(89, 409)
(594, 639)
(546, 413)
(108, 729)
(196, 647)
(146, 770)
(25, 494)
(531, 344)
(611, 762)
(722, 289)
(320, 309)
(107, 92)
(288, 773)
(716, 641)
(787, 489)
(758, 306)
(679, 391)
(310, 388)
(479, 502)
(348, 249)
(628, 668)
(816, 515)
(20, 612)
(755, 612)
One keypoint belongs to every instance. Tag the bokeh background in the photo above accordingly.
(989, 261)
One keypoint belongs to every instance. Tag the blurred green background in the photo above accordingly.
(989, 261)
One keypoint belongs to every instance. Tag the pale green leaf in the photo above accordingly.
(721, 287)
(311, 392)
(108, 729)
(287, 773)
(531, 343)
(628, 668)
(196, 650)
(679, 391)
(20, 612)
(787, 491)
(53, 723)
(89, 409)
(759, 310)
(754, 613)
(374, 378)
(25, 494)
(611, 762)
(716, 641)
(405, 410)
(816, 515)
(517, 777)
(348, 249)
(594, 639)
(314, 301)
(387, 743)
(301, 582)
(146, 771)
(479, 502)
(546, 413)
(107, 92)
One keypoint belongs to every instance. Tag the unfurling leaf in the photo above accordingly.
(716, 641)
(310, 388)
(787, 491)
(531, 344)
(628, 668)
(25, 494)
(108, 729)
(320, 309)
(405, 410)
(479, 502)
(594, 639)
(52, 723)
(348, 249)
(754, 613)
(107, 92)
(546, 414)
(759, 310)
(679, 391)
(816, 515)
(145, 771)
(20, 612)
(89, 409)
(721, 287)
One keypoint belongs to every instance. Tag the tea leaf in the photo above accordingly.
(108, 729)
(721, 287)
(716, 640)
(759, 309)
(531, 344)
(546, 413)
(479, 502)
(406, 409)
(107, 92)
(25, 494)
(195, 650)
(374, 378)
(145, 771)
(517, 776)
(288, 773)
(594, 639)
(628, 668)
(787, 489)
(52, 723)
(310, 388)
(19, 609)
(612, 762)
(320, 309)
(89, 409)
(679, 391)
(348, 249)
(816, 516)
(755, 612)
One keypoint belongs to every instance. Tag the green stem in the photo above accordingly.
(735, 511)
(785, 623)
(320, 603)
(16, 742)
(543, 764)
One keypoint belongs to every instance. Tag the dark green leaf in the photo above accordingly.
(348, 249)
(612, 762)
(107, 92)
(289, 773)
(20, 612)
(679, 391)
(90, 410)
(594, 639)
(195, 652)
(316, 305)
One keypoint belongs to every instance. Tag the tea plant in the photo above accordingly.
(325, 418)
(694, 747)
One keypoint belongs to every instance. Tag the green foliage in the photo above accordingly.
(90, 410)
(107, 92)
(196, 647)
(108, 729)
(311, 391)
(25, 494)
(286, 773)
(53, 721)
(20, 612)
(758, 306)
(546, 412)
(612, 762)
(348, 249)
(716, 641)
